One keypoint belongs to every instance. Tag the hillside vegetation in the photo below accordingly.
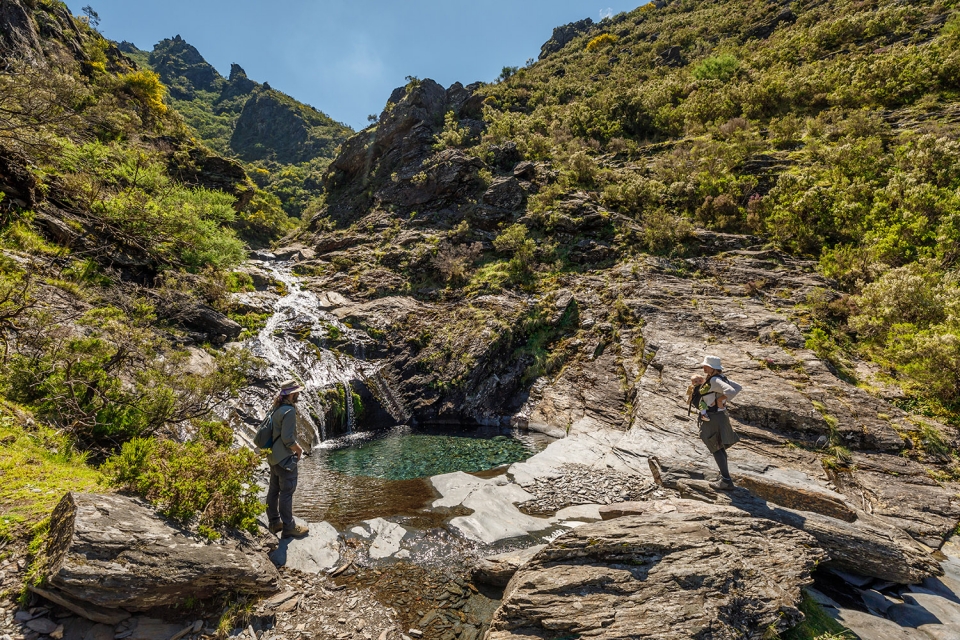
(119, 234)
(828, 129)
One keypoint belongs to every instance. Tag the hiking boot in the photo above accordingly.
(298, 530)
(276, 527)
(723, 484)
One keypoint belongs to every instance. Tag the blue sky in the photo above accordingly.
(344, 57)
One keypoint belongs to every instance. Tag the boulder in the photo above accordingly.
(210, 322)
(497, 570)
(667, 576)
(116, 552)
(504, 193)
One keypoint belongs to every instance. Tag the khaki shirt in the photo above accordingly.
(284, 433)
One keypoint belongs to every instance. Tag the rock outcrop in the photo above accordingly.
(397, 157)
(563, 35)
(276, 127)
(668, 576)
(18, 32)
(115, 552)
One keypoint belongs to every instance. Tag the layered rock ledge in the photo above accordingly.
(115, 552)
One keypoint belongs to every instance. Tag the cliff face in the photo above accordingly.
(273, 126)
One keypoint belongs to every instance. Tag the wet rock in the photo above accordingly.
(385, 537)
(496, 570)
(663, 576)
(495, 515)
(317, 551)
(115, 552)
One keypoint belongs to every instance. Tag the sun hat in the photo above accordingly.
(713, 362)
(290, 386)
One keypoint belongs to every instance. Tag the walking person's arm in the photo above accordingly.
(723, 391)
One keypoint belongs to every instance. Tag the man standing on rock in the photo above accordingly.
(715, 430)
(283, 459)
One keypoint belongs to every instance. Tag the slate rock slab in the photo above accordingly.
(115, 551)
(665, 576)
(317, 551)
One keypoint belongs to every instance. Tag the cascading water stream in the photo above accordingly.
(289, 344)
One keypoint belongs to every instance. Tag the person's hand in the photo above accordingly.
(297, 450)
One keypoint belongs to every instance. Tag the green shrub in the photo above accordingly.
(107, 377)
(722, 68)
(453, 135)
(202, 481)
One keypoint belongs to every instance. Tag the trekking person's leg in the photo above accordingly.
(288, 485)
(720, 455)
(273, 495)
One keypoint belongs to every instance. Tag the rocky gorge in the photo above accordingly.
(497, 350)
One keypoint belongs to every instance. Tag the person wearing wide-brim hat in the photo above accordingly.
(284, 458)
(716, 432)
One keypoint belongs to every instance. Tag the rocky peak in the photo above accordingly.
(236, 72)
(400, 147)
(128, 47)
(183, 69)
(563, 35)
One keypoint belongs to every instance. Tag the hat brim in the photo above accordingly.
(286, 392)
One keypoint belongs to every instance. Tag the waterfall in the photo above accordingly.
(348, 402)
(381, 389)
(289, 343)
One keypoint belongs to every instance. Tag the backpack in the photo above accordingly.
(264, 437)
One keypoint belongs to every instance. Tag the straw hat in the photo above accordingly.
(290, 386)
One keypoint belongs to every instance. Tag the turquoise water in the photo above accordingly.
(403, 455)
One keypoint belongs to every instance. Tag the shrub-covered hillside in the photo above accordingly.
(285, 143)
(827, 128)
(118, 237)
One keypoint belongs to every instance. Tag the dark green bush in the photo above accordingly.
(203, 481)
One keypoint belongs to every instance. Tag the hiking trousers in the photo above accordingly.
(283, 483)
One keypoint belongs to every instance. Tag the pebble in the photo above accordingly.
(581, 484)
